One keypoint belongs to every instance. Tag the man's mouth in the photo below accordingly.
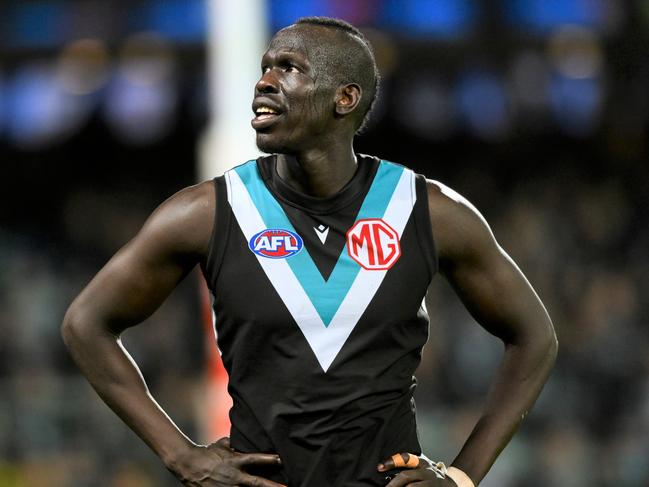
(265, 116)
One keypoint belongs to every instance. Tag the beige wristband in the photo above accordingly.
(459, 477)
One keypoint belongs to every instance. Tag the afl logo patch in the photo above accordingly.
(276, 243)
(373, 244)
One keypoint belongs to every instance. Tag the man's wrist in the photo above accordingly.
(174, 458)
(460, 478)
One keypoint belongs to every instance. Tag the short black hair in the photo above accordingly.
(356, 62)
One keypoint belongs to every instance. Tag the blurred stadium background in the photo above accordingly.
(536, 110)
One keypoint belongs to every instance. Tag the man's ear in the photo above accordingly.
(347, 98)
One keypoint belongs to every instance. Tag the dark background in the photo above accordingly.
(536, 111)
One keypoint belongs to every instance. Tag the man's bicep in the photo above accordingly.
(497, 294)
(133, 284)
(486, 279)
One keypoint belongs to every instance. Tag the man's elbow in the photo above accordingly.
(78, 326)
(539, 342)
(554, 344)
(71, 327)
(547, 344)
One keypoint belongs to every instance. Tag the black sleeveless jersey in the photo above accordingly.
(319, 316)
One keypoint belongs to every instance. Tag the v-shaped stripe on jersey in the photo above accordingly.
(325, 310)
(326, 295)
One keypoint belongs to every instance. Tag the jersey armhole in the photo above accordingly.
(220, 230)
(423, 225)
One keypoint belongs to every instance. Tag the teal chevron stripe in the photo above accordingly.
(326, 296)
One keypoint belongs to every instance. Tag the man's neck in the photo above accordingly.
(317, 172)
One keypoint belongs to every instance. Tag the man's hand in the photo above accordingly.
(218, 465)
(421, 471)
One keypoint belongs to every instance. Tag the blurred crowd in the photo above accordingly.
(54, 431)
(582, 242)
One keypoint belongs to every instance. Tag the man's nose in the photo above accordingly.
(267, 83)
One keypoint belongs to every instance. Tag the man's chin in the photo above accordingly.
(268, 144)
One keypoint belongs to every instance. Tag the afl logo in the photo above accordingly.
(276, 243)
(373, 244)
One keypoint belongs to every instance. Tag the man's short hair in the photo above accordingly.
(355, 62)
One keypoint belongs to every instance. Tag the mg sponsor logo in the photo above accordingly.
(373, 244)
(276, 243)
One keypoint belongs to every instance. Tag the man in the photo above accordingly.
(318, 260)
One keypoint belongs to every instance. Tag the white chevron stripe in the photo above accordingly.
(326, 342)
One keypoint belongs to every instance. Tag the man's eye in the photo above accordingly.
(287, 69)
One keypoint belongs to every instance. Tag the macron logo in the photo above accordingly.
(322, 231)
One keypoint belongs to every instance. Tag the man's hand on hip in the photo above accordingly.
(420, 471)
(218, 465)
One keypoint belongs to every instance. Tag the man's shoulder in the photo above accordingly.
(184, 221)
(442, 198)
(458, 226)
(197, 198)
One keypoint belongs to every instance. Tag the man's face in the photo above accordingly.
(294, 98)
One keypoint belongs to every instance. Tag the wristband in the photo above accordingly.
(459, 477)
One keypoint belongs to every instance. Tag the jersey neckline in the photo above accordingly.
(356, 187)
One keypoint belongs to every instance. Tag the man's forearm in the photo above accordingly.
(516, 386)
(116, 378)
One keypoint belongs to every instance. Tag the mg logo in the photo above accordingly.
(373, 244)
